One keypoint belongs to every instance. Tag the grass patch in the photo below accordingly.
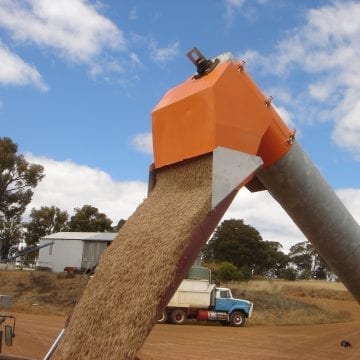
(42, 292)
(276, 302)
(288, 303)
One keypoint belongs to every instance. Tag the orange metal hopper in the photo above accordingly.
(224, 108)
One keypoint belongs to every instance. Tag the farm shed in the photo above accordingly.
(81, 250)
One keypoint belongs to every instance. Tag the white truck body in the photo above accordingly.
(193, 293)
(197, 298)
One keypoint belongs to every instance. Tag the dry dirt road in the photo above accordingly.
(35, 333)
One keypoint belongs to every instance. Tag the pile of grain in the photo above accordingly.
(118, 308)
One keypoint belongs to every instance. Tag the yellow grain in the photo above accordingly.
(118, 308)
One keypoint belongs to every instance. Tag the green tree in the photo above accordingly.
(273, 260)
(301, 254)
(18, 178)
(119, 225)
(10, 234)
(308, 262)
(243, 246)
(45, 221)
(88, 218)
(235, 242)
(228, 272)
(288, 274)
(321, 268)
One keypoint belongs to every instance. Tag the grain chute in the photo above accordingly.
(220, 110)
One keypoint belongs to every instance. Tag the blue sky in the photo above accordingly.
(79, 79)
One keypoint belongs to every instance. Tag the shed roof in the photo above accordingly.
(86, 236)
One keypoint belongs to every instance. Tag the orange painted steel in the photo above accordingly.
(224, 108)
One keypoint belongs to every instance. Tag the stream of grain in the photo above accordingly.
(119, 306)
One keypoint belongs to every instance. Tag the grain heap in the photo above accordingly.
(118, 308)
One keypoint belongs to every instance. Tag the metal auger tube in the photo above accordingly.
(312, 204)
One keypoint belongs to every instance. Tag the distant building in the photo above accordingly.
(80, 250)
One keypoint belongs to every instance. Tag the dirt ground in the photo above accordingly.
(35, 334)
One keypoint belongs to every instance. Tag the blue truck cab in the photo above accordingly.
(236, 310)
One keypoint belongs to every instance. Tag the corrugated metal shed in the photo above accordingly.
(81, 250)
(86, 236)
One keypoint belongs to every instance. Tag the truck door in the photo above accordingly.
(224, 300)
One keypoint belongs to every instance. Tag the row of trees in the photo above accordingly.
(48, 220)
(237, 251)
(18, 178)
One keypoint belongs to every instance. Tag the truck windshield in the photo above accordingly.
(224, 294)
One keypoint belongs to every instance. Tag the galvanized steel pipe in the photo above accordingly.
(312, 204)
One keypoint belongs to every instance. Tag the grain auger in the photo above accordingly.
(220, 110)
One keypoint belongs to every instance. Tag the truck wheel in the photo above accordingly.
(178, 317)
(162, 318)
(237, 319)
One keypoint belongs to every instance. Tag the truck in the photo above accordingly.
(199, 299)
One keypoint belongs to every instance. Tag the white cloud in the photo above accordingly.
(15, 71)
(134, 58)
(266, 215)
(251, 57)
(68, 185)
(243, 7)
(286, 116)
(321, 90)
(161, 55)
(230, 7)
(133, 15)
(74, 29)
(235, 3)
(108, 68)
(103, 68)
(143, 143)
(328, 40)
(330, 45)
(347, 130)
(157, 53)
(351, 199)
(327, 47)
